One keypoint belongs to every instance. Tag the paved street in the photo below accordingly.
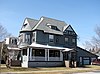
(94, 72)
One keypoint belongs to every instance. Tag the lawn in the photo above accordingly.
(49, 70)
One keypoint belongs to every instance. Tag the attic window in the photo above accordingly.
(24, 25)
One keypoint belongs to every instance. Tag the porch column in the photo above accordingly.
(61, 55)
(30, 54)
(48, 54)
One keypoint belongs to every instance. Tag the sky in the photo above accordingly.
(82, 15)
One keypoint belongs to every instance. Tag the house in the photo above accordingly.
(49, 42)
(13, 50)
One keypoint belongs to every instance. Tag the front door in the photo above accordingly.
(65, 56)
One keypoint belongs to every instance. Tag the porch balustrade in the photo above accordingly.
(54, 58)
(35, 58)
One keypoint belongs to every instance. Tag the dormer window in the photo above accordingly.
(53, 27)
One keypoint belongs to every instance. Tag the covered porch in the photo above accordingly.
(42, 55)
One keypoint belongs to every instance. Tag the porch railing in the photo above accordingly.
(35, 58)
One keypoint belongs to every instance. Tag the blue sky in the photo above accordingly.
(83, 15)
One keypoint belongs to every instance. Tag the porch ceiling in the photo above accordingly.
(40, 46)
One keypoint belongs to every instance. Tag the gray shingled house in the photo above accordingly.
(49, 42)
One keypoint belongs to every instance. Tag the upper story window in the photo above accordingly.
(66, 39)
(69, 32)
(27, 38)
(57, 40)
(51, 38)
(73, 40)
(33, 37)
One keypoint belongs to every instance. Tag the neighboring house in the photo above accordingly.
(13, 50)
(49, 42)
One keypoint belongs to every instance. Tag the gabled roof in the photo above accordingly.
(28, 24)
(79, 48)
(42, 25)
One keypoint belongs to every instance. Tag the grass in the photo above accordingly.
(49, 70)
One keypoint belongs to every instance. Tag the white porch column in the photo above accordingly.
(61, 55)
(48, 54)
(30, 54)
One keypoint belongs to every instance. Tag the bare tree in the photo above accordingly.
(5, 55)
(3, 33)
(3, 48)
(94, 43)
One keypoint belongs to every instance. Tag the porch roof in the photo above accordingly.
(12, 48)
(40, 46)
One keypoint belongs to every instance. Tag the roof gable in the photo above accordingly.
(28, 24)
(68, 28)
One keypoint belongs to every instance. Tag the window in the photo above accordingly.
(54, 53)
(24, 25)
(57, 40)
(66, 40)
(33, 37)
(51, 38)
(53, 27)
(27, 38)
(14, 41)
(73, 40)
(38, 52)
